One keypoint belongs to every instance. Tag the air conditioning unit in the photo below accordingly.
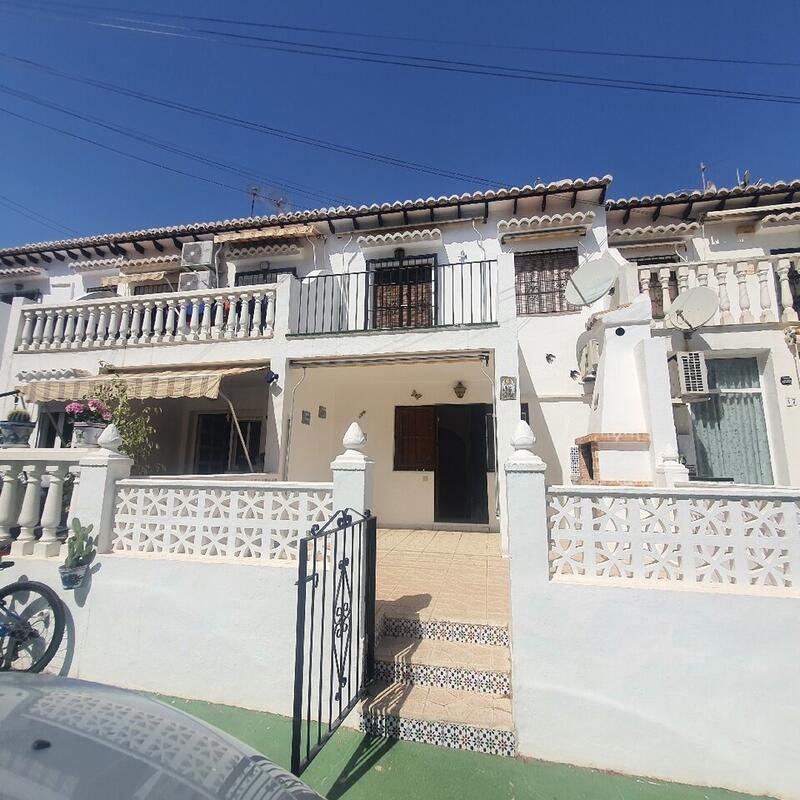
(197, 254)
(692, 375)
(197, 280)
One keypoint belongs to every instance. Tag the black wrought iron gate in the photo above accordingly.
(335, 644)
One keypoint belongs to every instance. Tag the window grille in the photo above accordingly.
(541, 279)
(403, 291)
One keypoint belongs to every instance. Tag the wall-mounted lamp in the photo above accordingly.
(271, 377)
(460, 390)
(416, 395)
(549, 358)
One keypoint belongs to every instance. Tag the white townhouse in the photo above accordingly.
(436, 323)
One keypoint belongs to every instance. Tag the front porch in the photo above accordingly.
(429, 421)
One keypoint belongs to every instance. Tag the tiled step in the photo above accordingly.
(455, 665)
(446, 717)
(444, 630)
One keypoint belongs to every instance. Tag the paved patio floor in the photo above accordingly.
(446, 575)
(357, 767)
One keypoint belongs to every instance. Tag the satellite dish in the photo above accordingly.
(591, 280)
(691, 310)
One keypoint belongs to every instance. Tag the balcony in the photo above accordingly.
(759, 289)
(397, 298)
(147, 320)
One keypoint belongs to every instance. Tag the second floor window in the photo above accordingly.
(402, 291)
(541, 278)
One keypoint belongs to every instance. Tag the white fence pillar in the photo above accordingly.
(352, 473)
(95, 494)
(526, 508)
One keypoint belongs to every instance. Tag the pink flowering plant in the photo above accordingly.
(92, 410)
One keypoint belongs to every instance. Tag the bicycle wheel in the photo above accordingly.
(31, 626)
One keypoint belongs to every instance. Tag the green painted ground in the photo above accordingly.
(357, 767)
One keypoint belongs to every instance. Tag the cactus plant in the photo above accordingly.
(80, 546)
(19, 415)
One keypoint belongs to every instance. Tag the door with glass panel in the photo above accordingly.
(730, 430)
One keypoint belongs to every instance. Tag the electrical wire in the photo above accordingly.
(505, 46)
(141, 137)
(239, 122)
(35, 216)
(429, 63)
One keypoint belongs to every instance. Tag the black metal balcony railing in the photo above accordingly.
(397, 297)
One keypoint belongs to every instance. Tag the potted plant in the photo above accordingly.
(89, 419)
(80, 554)
(16, 429)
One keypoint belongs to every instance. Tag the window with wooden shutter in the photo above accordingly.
(541, 278)
(402, 291)
(414, 438)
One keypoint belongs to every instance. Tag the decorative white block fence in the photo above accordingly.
(744, 539)
(750, 290)
(207, 314)
(237, 519)
(655, 631)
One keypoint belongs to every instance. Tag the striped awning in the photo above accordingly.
(286, 232)
(139, 277)
(140, 385)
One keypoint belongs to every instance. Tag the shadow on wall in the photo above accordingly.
(545, 447)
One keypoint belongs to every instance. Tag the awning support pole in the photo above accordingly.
(238, 430)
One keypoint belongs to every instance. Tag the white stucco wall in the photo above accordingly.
(221, 632)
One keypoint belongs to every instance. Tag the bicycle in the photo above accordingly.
(32, 623)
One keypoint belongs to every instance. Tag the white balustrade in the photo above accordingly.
(157, 319)
(750, 290)
(742, 538)
(209, 518)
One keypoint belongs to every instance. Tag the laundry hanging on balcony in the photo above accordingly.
(160, 384)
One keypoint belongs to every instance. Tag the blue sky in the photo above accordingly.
(508, 131)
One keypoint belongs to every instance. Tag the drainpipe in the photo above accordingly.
(483, 363)
(238, 430)
(289, 429)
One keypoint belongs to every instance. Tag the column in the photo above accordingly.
(219, 317)
(136, 323)
(725, 317)
(181, 330)
(269, 320)
(38, 330)
(8, 501)
(172, 316)
(244, 315)
(788, 314)
(80, 328)
(69, 330)
(113, 323)
(91, 324)
(58, 333)
(94, 497)
(29, 513)
(194, 322)
(124, 325)
(27, 330)
(764, 294)
(102, 324)
(683, 280)
(158, 325)
(255, 327)
(742, 268)
(47, 334)
(48, 544)
(352, 473)
(205, 324)
(230, 326)
(147, 321)
(664, 275)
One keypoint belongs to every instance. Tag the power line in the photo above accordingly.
(437, 64)
(421, 40)
(239, 122)
(140, 137)
(36, 216)
(126, 154)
